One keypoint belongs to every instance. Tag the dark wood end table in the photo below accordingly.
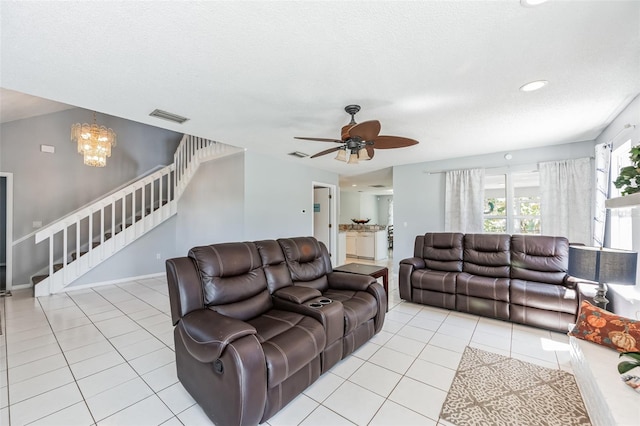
(371, 270)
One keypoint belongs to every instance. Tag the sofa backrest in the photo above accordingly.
(274, 265)
(308, 261)
(233, 280)
(441, 251)
(539, 258)
(487, 255)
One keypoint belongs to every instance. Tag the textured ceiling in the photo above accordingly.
(256, 74)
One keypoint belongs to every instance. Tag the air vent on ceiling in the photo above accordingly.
(377, 186)
(298, 154)
(168, 116)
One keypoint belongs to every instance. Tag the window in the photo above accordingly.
(512, 203)
(620, 218)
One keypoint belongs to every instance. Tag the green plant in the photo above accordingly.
(629, 176)
(625, 366)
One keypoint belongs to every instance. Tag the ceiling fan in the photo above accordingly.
(359, 140)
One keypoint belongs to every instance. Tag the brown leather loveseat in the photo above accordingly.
(520, 278)
(258, 322)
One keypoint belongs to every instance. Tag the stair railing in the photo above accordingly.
(90, 235)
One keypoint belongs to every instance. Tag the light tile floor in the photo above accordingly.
(104, 356)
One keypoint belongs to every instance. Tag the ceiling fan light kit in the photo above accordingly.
(360, 139)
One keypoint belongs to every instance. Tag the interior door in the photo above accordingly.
(322, 216)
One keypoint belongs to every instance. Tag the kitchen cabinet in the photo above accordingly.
(351, 244)
(342, 250)
(366, 245)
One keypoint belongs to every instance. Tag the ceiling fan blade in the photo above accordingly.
(367, 130)
(326, 151)
(320, 139)
(370, 151)
(389, 142)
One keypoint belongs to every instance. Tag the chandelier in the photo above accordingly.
(94, 142)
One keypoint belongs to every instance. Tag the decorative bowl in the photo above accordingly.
(360, 221)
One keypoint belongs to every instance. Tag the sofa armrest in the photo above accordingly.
(185, 287)
(348, 281)
(206, 333)
(415, 262)
(381, 296)
(407, 266)
(297, 294)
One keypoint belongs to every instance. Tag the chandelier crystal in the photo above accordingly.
(94, 142)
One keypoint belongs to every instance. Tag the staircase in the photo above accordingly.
(87, 237)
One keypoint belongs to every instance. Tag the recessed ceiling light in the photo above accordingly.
(532, 3)
(534, 85)
(354, 184)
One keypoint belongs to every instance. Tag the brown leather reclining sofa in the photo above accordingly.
(520, 278)
(258, 322)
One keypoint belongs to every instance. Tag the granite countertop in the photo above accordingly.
(361, 228)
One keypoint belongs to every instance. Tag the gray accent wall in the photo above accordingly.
(49, 186)
(418, 197)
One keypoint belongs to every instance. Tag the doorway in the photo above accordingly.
(6, 232)
(325, 216)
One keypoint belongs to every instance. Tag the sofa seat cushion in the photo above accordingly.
(289, 341)
(483, 287)
(543, 296)
(359, 307)
(427, 279)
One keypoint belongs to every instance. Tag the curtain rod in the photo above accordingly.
(522, 167)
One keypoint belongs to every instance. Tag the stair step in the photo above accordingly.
(35, 280)
(57, 267)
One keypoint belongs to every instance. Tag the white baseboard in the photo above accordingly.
(96, 284)
(118, 281)
(21, 286)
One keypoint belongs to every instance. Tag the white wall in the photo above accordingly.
(211, 210)
(359, 205)
(276, 193)
(418, 197)
(349, 206)
(383, 208)
(630, 115)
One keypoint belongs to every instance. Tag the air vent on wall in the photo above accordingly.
(298, 154)
(168, 116)
(377, 186)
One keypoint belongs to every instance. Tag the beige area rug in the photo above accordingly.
(492, 389)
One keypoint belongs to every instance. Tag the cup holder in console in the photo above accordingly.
(319, 303)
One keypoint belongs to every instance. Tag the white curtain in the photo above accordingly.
(603, 178)
(565, 199)
(464, 200)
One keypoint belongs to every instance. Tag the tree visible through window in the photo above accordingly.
(512, 203)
